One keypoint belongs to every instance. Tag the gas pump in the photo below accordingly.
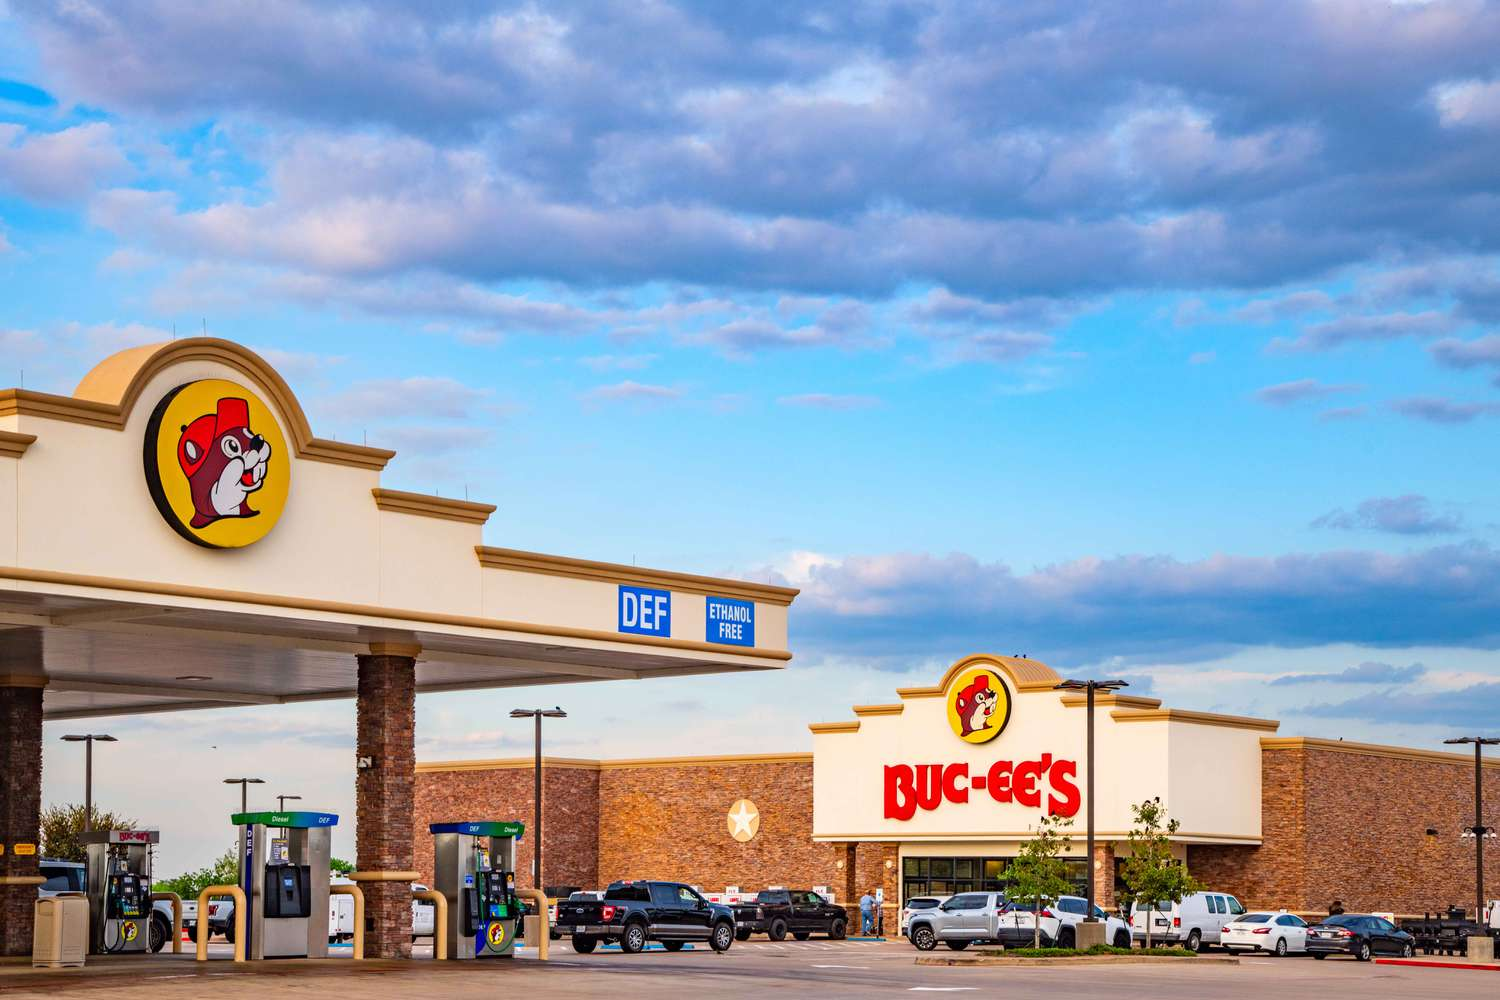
(284, 874)
(119, 889)
(474, 865)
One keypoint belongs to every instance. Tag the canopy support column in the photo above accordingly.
(20, 808)
(384, 788)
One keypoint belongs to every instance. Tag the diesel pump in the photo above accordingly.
(119, 889)
(284, 860)
(474, 865)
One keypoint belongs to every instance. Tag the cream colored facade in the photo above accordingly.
(117, 608)
(1205, 768)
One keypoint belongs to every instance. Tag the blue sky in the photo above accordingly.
(1149, 339)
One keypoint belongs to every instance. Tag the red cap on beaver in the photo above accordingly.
(203, 432)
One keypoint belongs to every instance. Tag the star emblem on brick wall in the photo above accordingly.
(744, 820)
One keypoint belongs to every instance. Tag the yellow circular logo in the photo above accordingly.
(978, 705)
(744, 821)
(495, 935)
(129, 930)
(217, 464)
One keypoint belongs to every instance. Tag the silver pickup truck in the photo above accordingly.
(970, 917)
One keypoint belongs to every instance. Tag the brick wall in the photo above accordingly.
(610, 822)
(1352, 827)
(671, 822)
(20, 810)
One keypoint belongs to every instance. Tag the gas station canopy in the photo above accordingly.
(173, 536)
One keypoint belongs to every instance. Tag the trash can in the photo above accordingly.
(60, 939)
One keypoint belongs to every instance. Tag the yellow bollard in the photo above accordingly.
(439, 921)
(539, 897)
(235, 893)
(176, 918)
(359, 914)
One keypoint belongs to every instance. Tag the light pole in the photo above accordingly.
(536, 813)
(244, 784)
(1089, 687)
(1478, 831)
(88, 741)
(281, 801)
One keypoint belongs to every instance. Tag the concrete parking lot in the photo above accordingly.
(821, 968)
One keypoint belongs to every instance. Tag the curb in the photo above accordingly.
(956, 961)
(1420, 963)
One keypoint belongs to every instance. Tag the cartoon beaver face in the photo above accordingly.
(975, 704)
(224, 462)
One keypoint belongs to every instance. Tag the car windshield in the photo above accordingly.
(1342, 920)
(921, 904)
(1254, 918)
(771, 896)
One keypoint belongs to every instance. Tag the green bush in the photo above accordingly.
(224, 871)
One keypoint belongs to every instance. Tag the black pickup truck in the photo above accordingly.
(633, 913)
(803, 913)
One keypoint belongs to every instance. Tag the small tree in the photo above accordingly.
(224, 871)
(339, 866)
(63, 824)
(1038, 873)
(1151, 873)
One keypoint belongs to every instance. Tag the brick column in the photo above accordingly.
(20, 807)
(1103, 870)
(386, 722)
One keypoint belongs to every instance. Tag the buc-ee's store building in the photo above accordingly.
(935, 792)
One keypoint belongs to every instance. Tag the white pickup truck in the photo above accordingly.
(341, 914)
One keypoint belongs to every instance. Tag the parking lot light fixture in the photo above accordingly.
(244, 784)
(536, 812)
(1089, 687)
(88, 740)
(1478, 831)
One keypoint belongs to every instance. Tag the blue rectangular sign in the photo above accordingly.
(644, 611)
(729, 621)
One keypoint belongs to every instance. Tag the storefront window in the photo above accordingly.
(946, 876)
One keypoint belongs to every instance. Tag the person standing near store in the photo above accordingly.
(867, 913)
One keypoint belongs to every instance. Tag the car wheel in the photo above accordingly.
(957, 945)
(1363, 951)
(723, 936)
(838, 930)
(229, 932)
(1320, 955)
(777, 931)
(1281, 947)
(802, 935)
(923, 938)
(1407, 951)
(1194, 942)
(1067, 938)
(161, 932)
(633, 941)
(742, 934)
(673, 945)
(1122, 940)
(584, 944)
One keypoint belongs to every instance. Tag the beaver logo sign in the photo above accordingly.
(217, 464)
(978, 705)
(496, 935)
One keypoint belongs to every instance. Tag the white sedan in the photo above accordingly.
(1280, 934)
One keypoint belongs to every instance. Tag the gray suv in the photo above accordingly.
(962, 920)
